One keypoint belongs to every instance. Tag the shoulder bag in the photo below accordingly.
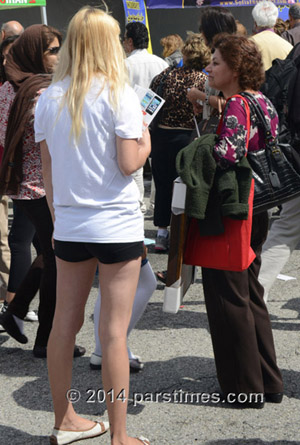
(276, 168)
(210, 125)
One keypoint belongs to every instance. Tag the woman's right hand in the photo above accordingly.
(133, 153)
(145, 142)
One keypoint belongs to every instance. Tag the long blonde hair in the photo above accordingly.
(92, 47)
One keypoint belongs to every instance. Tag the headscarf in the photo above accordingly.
(26, 71)
(25, 58)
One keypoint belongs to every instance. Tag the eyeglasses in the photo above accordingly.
(54, 50)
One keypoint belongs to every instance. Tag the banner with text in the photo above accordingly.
(10, 4)
(135, 11)
(175, 4)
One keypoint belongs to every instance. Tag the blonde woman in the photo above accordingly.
(89, 124)
(172, 46)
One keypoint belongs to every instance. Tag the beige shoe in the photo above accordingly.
(143, 440)
(61, 437)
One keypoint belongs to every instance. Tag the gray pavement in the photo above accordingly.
(178, 355)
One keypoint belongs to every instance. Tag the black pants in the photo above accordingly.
(240, 326)
(21, 235)
(165, 146)
(38, 212)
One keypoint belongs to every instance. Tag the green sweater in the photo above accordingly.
(211, 191)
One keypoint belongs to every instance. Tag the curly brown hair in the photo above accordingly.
(242, 56)
(196, 52)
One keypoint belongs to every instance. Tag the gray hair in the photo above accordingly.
(294, 12)
(265, 14)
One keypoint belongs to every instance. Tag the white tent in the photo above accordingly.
(14, 4)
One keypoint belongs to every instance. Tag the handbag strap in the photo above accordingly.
(247, 109)
(271, 142)
(261, 116)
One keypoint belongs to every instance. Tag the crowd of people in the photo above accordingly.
(71, 125)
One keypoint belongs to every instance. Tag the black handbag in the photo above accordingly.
(276, 168)
(210, 125)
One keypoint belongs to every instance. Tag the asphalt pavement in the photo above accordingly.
(168, 399)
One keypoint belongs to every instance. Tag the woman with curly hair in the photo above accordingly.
(175, 127)
(238, 318)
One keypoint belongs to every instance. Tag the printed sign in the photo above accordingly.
(164, 4)
(10, 4)
(135, 11)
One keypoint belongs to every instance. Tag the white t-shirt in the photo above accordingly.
(93, 200)
(143, 67)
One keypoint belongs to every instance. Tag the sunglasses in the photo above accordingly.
(54, 50)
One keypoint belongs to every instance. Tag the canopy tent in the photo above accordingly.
(14, 4)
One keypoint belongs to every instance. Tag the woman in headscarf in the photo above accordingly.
(30, 62)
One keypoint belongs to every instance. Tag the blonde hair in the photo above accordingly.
(170, 44)
(92, 47)
(241, 29)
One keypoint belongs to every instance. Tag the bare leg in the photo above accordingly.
(146, 286)
(118, 284)
(74, 281)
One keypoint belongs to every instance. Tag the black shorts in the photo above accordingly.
(107, 253)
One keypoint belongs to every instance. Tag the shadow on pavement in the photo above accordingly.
(17, 437)
(155, 319)
(252, 442)
(286, 323)
(160, 382)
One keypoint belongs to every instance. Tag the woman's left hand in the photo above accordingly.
(197, 108)
(193, 95)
